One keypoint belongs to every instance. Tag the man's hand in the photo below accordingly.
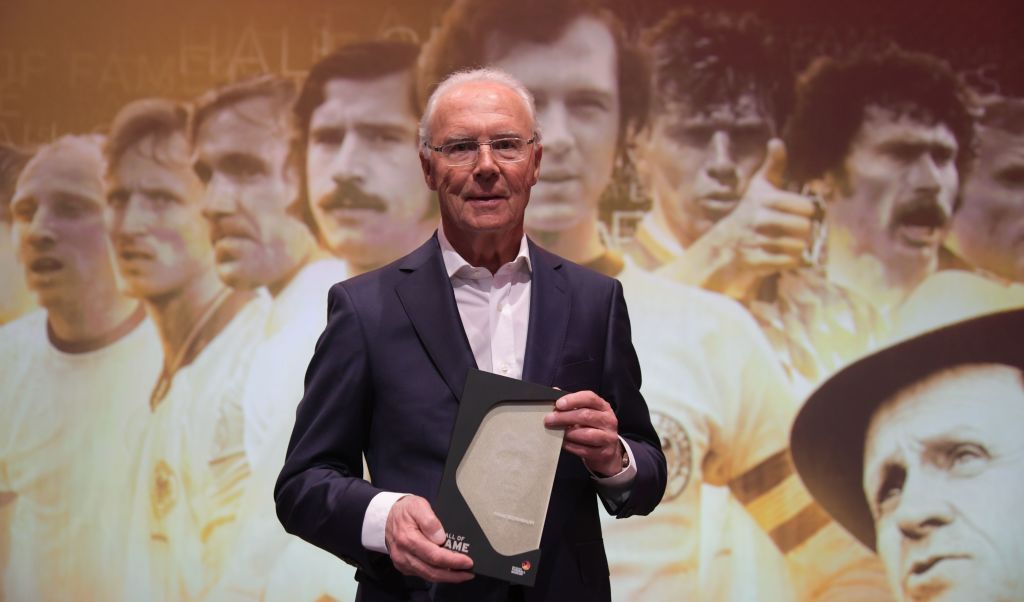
(414, 538)
(768, 232)
(591, 431)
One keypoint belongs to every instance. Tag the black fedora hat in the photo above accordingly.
(827, 440)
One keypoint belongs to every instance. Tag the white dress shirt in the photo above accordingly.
(495, 313)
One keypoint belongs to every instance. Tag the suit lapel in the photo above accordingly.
(549, 317)
(427, 297)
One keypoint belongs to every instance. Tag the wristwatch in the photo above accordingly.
(625, 457)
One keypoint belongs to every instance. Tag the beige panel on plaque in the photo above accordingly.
(507, 474)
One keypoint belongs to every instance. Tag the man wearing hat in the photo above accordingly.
(916, 451)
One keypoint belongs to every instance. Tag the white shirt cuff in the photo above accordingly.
(615, 490)
(623, 480)
(375, 521)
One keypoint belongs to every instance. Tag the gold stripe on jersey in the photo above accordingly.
(764, 477)
(777, 500)
(791, 534)
(779, 504)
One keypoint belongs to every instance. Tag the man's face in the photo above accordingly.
(988, 228)
(897, 189)
(241, 153)
(156, 223)
(485, 197)
(575, 82)
(361, 169)
(699, 162)
(59, 228)
(943, 463)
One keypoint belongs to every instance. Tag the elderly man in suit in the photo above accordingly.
(388, 372)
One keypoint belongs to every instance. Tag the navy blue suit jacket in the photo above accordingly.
(385, 380)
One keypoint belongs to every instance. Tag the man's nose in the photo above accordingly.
(922, 507)
(925, 175)
(554, 123)
(721, 164)
(220, 198)
(39, 231)
(347, 162)
(485, 168)
(135, 218)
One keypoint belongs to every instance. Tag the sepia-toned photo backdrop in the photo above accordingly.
(781, 188)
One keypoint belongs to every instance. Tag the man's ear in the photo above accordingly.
(428, 172)
(538, 152)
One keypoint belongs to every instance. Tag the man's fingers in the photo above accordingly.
(784, 245)
(581, 399)
(603, 419)
(604, 461)
(436, 557)
(412, 553)
(592, 430)
(770, 262)
(780, 225)
(791, 203)
(415, 535)
(587, 452)
(441, 558)
(584, 416)
(590, 437)
(420, 568)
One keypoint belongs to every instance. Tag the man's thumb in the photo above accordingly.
(774, 167)
(430, 526)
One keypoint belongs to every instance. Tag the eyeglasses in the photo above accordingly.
(466, 152)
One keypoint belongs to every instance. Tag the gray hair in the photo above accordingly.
(482, 74)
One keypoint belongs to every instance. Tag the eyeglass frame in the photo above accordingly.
(437, 149)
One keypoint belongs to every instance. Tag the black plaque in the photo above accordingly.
(498, 476)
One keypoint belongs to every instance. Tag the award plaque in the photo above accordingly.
(498, 477)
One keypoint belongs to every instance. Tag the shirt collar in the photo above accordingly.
(667, 242)
(457, 266)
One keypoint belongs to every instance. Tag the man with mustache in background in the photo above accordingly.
(718, 398)
(722, 218)
(882, 138)
(355, 122)
(192, 465)
(75, 372)
(984, 254)
(356, 117)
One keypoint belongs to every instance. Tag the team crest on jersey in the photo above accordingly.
(675, 443)
(163, 492)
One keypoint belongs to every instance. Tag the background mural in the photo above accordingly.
(782, 191)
